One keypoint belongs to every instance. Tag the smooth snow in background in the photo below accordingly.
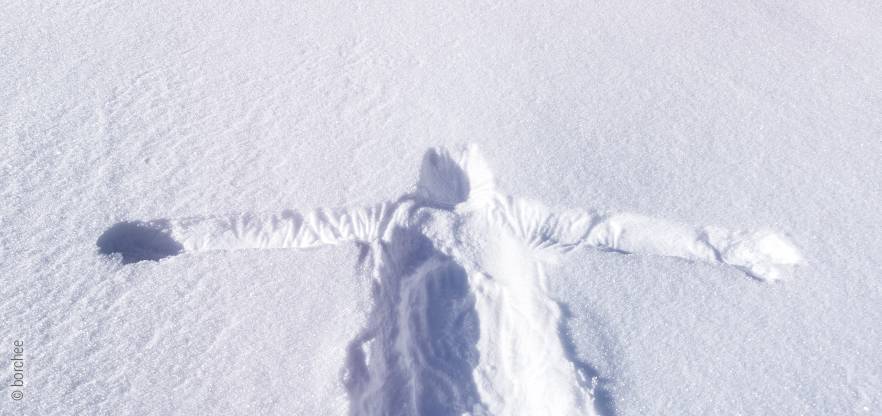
(744, 114)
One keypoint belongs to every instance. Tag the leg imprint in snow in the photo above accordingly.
(462, 322)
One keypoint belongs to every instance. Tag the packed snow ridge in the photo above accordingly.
(462, 321)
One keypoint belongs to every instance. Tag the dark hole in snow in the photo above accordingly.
(138, 241)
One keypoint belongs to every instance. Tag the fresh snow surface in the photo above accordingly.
(522, 208)
(462, 321)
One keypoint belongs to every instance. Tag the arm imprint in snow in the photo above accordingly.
(761, 254)
(157, 239)
(459, 183)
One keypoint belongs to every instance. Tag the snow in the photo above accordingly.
(757, 116)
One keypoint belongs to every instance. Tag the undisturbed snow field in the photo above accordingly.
(744, 115)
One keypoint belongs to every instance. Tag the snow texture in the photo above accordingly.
(463, 322)
(131, 133)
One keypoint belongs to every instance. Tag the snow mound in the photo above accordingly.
(448, 179)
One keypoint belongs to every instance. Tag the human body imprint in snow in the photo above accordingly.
(462, 321)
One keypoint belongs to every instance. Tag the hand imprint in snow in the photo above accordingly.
(462, 321)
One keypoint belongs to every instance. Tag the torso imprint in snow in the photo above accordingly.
(462, 321)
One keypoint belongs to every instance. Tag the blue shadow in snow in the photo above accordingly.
(138, 241)
(423, 334)
(603, 400)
